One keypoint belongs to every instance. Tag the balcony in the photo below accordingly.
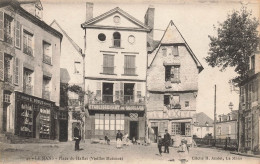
(46, 59)
(8, 78)
(108, 70)
(8, 38)
(28, 89)
(117, 99)
(27, 50)
(129, 71)
(46, 94)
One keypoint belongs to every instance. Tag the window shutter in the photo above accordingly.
(122, 91)
(16, 71)
(1, 25)
(18, 34)
(117, 95)
(1, 66)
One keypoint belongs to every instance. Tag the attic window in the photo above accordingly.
(116, 19)
(101, 37)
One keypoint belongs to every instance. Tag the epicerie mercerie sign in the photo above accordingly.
(116, 107)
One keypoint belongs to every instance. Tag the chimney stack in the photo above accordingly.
(149, 21)
(89, 11)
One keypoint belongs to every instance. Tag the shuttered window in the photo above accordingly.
(172, 73)
(16, 71)
(108, 64)
(17, 34)
(1, 66)
(98, 91)
(1, 25)
(129, 65)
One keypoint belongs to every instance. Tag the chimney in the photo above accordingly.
(89, 11)
(149, 21)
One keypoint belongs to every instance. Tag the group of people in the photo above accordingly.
(166, 141)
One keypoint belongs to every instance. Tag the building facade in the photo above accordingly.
(71, 70)
(249, 114)
(203, 126)
(172, 82)
(29, 71)
(116, 62)
(227, 126)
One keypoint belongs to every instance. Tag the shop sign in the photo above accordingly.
(180, 114)
(116, 107)
(33, 100)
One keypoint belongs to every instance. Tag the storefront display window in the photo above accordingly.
(26, 122)
(45, 123)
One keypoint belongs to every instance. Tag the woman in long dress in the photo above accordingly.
(119, 137)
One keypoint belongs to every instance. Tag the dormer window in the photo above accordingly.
(117, 39)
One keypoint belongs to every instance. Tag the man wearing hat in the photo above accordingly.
(160, 144)
(167, 141)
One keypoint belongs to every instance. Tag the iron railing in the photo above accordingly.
(46, 59)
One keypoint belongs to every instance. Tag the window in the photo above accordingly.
(175, 51)
(116, 19)
(108, 64)
(99, 121)
(187, 103)
(252, 62)
(106, 121)
(175, 100)
(101, 37)
(8, 26)
(181, 128)
(107, 96)
(112, 122)
(47, 52)
(166, 100)
(116, 39)
(7, 68)
(131, 39)
(7, 96)
(172, 73)
(27, 43)
(46, 88)
(77, 67)
(120, 122)
(28, 81)
(129, 65)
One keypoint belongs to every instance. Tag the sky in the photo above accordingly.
(193, 18)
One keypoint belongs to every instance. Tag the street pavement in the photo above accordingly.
(63, 152)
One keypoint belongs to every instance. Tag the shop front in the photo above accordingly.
(108, 119)
(35, 117)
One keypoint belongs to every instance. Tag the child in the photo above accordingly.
(160, 144)
(183, 152)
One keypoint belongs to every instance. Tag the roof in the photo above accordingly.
(16, 5)
(110, 12)
(173, 36)
(202, 118)
(78, 49)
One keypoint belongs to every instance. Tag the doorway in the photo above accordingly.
(155, 134)
(133, 130)
(63, 130)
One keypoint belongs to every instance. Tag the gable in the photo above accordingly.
(123, 21)
(172, 35)
(106, 20)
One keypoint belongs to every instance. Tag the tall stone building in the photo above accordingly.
(172, 82)
(249, 111)
(116, 64)
(29, 71)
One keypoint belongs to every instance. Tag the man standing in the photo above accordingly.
(119, 137)
(167, 141)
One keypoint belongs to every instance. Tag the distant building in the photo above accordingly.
(116, 64)
(203, 125)
(172, 82)
(249, 112)
(226, 125)
(29, 71)
(71, 64)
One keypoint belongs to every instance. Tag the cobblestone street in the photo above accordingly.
(98, 153)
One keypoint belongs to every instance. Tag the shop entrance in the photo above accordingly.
(133, 130)
(63, 130)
